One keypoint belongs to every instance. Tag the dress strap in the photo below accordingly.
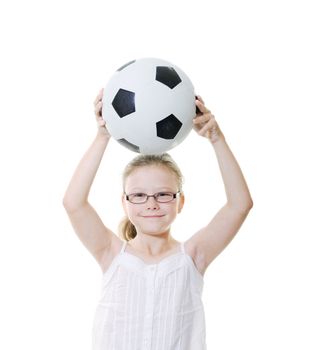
(123, 247)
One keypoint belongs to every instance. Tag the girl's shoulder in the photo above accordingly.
(190, 248)
(109, 254)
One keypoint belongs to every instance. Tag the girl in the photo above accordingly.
(152, 283)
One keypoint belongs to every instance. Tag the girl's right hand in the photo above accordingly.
(98, 104)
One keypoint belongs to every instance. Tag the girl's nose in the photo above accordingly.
(152, 203)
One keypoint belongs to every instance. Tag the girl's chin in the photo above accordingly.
(155, 230)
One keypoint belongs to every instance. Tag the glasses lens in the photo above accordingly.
(138, 197)
(164, 197)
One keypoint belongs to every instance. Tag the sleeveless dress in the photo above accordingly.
(150, 306)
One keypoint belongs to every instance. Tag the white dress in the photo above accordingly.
(150, 307)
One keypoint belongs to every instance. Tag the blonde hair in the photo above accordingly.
(126, 228)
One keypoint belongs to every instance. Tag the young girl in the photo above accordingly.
(152, 284)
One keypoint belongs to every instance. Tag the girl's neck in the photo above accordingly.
(153, 246)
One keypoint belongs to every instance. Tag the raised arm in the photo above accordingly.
(209, 242)
(87, 224)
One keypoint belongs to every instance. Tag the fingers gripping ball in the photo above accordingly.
(149, 105)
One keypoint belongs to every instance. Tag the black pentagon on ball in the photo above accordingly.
(129, 145)
(168, 127)
(167, 76)
(124, 102)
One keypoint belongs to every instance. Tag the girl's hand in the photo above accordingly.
(205, 123)
(98, 104)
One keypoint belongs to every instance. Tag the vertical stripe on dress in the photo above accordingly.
(176, 273)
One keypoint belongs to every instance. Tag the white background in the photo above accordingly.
(249, 61)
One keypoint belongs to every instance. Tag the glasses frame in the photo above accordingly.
(155, 196)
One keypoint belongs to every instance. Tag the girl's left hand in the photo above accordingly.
(205, 123)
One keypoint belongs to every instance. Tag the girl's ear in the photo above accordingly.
(181, 202)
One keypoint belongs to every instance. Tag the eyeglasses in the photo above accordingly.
(160, 197)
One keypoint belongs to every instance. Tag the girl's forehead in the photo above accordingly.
(151, 175)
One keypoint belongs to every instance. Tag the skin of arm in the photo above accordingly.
(87, 224)
(209, 242)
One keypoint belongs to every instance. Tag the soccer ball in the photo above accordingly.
(149, 105)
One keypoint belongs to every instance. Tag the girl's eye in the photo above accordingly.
(139, 195)
(164, 194)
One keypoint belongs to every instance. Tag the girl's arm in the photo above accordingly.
(87, 224)
(209, 242)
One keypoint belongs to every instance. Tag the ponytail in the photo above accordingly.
(127, 229)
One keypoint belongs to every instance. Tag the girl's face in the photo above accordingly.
(152, 217)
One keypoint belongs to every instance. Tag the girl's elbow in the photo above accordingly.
(247, 206)
(69, 204)
(243, 208)
(66, 203)
(250, 204)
